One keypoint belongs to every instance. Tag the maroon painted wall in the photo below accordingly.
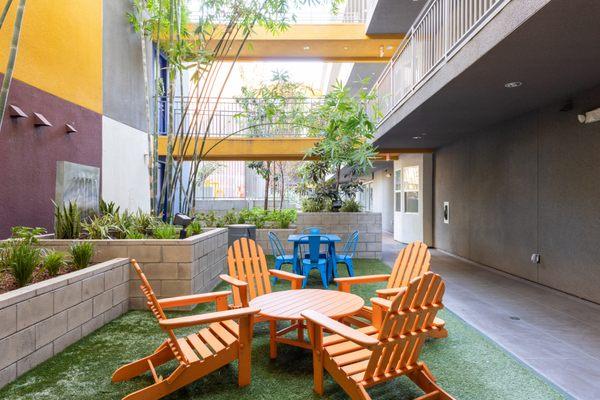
(29, 154)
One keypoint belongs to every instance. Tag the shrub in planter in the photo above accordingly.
(316, 204)
(22, 261)
(194, 228)
(283, 218)
(165, 231)
(351, 205)
(81, 254)
(53, 262)
(67, 221)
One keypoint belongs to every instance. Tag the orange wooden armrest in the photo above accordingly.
(383, 303)
(362, 279)
(208, 318)
(233, 281)
(192, 299)
(388, 292)
(343, 330)
(288, 276)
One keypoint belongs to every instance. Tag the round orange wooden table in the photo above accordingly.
(288, 304)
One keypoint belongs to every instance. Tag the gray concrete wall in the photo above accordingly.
(528, 185)
(123, 82)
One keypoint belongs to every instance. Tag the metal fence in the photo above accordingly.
(441, 29)
(242, 117)
(351, 11)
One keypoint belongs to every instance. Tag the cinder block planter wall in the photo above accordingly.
(368, 225)
(173, 267)
(40, 320)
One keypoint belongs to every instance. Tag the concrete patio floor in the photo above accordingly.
(555, 334)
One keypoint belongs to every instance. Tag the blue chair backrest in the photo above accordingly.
(314, 246)
(276, 245)
(350, 246)
(313, 230)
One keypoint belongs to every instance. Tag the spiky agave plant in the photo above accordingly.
(67, 221)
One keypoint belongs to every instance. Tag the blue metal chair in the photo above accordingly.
(347, 253)
(312, 230)
(314, 260)
(279, 254)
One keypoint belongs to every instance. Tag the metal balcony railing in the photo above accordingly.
(242, 117)
(439, 32)
(351, 11)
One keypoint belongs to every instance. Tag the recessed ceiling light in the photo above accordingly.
(346, 47)
(417, 137)
(306, 48)
(390, 47)
(514, 84)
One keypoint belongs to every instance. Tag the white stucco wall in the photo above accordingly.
(409, 227)
(383, 198)
(124, 168)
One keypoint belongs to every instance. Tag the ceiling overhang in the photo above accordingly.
(554, 53)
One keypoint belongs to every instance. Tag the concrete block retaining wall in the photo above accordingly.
(367, 224)
(173, 267)
(40, 320)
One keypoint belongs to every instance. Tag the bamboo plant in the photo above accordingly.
(12, 57)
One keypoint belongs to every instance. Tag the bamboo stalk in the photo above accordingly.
(12, 58)
(5, 12)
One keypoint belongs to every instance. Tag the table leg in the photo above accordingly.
(333, 260)
(300, 330)
(272, 342)
(296, 260)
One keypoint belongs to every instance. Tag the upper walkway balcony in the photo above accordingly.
(439, 32)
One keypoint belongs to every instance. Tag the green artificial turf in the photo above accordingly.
(467, 365)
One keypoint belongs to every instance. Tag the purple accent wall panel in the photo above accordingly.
(29, 154)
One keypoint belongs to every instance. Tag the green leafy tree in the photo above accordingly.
(346, 125)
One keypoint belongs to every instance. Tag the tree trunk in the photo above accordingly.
(274, 185)
(148, 119)
(282, 186)
(171, 130)
(267, 183)
(12, 58)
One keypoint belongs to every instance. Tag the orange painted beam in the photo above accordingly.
(327, 42)
(250, 149)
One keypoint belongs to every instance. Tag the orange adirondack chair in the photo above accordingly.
(249, 275)
(198, 354)
(389, 348)
(412, 261)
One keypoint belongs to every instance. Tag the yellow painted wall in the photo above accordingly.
(60, 49)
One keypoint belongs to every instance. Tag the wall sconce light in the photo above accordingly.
(590, 116)
(69, 128)
(16, 112)
(388, 174)
(40, 120)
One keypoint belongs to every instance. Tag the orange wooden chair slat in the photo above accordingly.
(198, 354)
(361, 358)
(249, 275)
(412, 261)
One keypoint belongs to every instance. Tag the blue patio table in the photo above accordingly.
(333, 239)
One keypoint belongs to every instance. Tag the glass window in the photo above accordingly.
(398, 180)
(398, 201)
(410, 180)
(411, 202)
(410, 187)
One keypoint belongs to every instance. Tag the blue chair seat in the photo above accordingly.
(314, 258)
